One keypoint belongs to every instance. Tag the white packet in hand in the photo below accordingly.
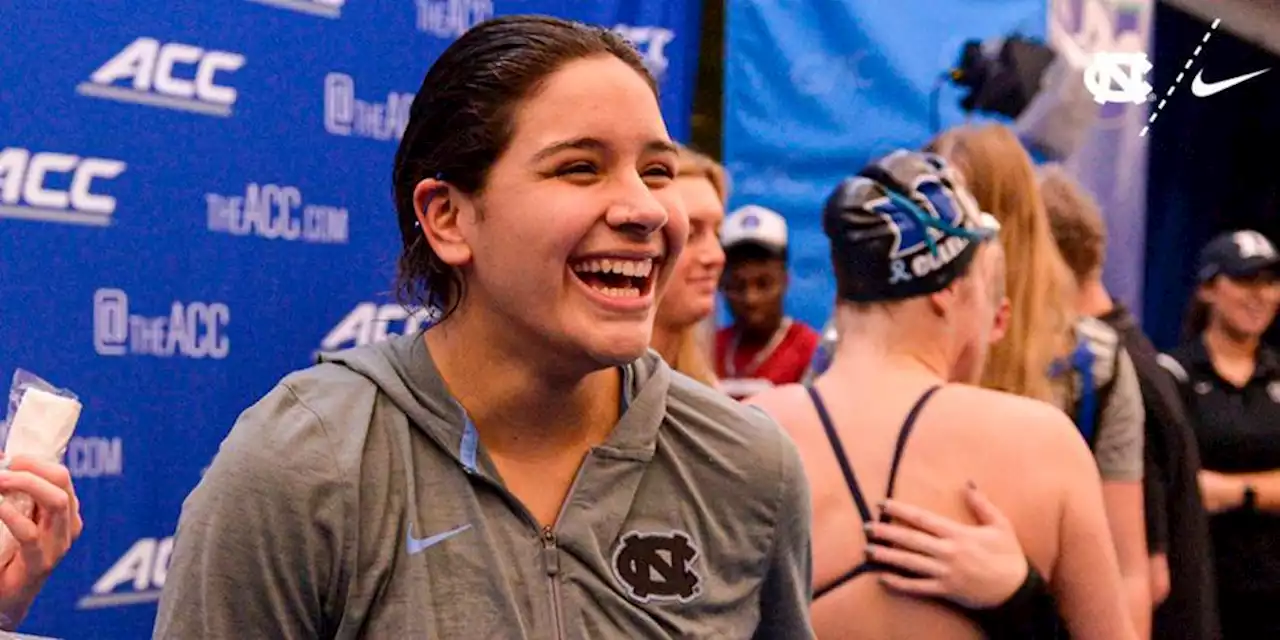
(41, 422)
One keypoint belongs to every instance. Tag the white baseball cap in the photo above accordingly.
(757, 225)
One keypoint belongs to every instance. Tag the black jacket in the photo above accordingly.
(1173, 458)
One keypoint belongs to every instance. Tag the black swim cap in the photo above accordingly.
(905, 226)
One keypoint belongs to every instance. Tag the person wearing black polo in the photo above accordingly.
(1231, 384)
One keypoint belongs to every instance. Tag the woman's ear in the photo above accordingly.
(1003, 313)
(942, 301)
(436, 204)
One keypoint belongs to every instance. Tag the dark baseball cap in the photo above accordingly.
(905, 226)
(1237, 254)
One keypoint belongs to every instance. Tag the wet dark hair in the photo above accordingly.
(462, 120)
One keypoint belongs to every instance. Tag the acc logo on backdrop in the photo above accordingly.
(191, 330)
(651, 42)
(370, 323)
(94, 457)
(658, 566)
(322, 8)
(155, 74)
(26, 191)
(345, 115)
(276, 212)
(451, 18)
(136, 578)
(88, 456)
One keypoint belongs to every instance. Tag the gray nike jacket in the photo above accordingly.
(355, 501)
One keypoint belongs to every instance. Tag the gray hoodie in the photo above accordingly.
(355, 501)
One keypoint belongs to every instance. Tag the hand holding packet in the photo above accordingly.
(41, 420)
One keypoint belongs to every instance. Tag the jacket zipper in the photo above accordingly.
(551, 554)
(551, 561)
(550, 545)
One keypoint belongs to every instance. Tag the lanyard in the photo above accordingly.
(730, 354)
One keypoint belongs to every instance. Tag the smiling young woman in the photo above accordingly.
(683, 331)
(1230, 381)
(525, 468)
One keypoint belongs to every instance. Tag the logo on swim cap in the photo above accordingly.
(750, 222)
(911, 234)
(929, 221)
(903, 227)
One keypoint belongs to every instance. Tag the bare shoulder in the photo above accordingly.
(781, 402)
(995, 414)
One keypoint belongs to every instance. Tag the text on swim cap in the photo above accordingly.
(928, 262)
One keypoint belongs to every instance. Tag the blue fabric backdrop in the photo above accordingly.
(814, 90)
(195, 198)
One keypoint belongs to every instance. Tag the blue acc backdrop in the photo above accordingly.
(194, 199)
(814, 90)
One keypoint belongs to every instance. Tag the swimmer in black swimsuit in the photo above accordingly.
(1027, 614)
(850, 479)
(914, 272)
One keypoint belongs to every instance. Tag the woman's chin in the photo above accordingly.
(617, 350)
(693, 313)
(617, 357)
(703, 312)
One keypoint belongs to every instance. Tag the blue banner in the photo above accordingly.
(814, 90)
(194, 199)
(1112, 162)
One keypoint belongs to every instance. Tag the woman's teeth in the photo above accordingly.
(624, 292)
(615, 277)
(631, 268)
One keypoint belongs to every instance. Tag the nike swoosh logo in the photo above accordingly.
(418, 545)
(1204, 89)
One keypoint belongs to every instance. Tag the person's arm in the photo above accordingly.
(1155, 497)
(1029, 613)
(1086, 576)
(1123, 503)
(787, 590)
(1226, 491)
(1266, 487)
(1119, 453)
(260, 539)
(43, 538)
